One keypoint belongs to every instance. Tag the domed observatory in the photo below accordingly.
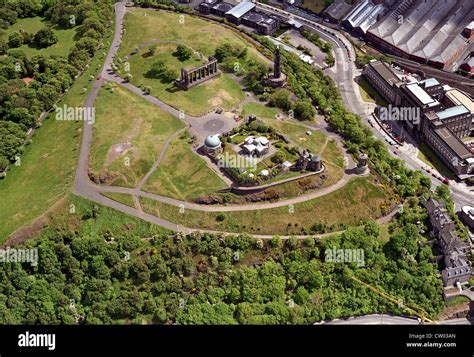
(213, 146)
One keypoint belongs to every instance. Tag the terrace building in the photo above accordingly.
(457, 268)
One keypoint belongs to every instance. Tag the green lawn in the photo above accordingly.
(173, 29)
(369, 94)
(259, 110)
(66, 37)
(429, 157)
(183, 174)
(115, 223)
(120, 197)
(124, 117)
(359, 199)
(315, 6)
(48, 165)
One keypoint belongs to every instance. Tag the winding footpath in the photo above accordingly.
(86, 188)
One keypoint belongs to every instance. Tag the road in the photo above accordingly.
(377, 319)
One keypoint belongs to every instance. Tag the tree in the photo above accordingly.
(157, 68)
(183, 53)
(15, 39)
(152, 50)
(281, 99)
(304, 110)
(45, 37)
(169, 75)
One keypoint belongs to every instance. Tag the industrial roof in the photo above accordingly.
(364, 15)
(241, 9)
(452, 112)
(430, 29)
(420, 93)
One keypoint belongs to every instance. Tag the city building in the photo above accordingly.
(256, 146)
(468, 66)
(236, 14)
(264, 24)
(429, 31)
(384, 80)
(337, 11)
(457, 267)
(467, 215)
(443, 115)
(242, 14)
(363, 16)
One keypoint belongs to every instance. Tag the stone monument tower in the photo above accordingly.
(277, 78)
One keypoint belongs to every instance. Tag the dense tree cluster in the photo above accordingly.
(108, 276)
(22, 102)
(161, 71)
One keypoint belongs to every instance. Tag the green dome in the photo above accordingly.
(212, 141)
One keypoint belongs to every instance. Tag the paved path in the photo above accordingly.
(85, 187)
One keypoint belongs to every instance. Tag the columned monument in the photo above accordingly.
(194, 76)
(277, 78)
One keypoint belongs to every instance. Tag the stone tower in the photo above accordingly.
(277, 64)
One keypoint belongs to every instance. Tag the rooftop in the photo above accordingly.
(420, 93)
(338, 9)
(384, 71)
(452, 112)
(430, 82)
(431, 28)
(454, 143)
(364, 15)
(241, 9)
(458, 98)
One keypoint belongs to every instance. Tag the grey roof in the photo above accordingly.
(241, 9)
(384, 71)
(429, 29)
(454, 143)
(452, 112)
(338, 9)
(430, 82)
(420, 93)
(364, 15)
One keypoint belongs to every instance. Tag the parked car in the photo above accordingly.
(446, 181)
